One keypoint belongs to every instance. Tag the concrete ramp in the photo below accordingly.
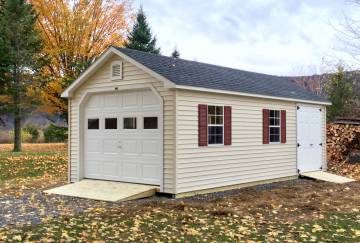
(325, 176)
(111, 191)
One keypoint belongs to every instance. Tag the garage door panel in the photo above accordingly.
(112, 101)
(150, 171)
(131, 101)
(93, 168)
(110, 169)
(130, 170)
(150, 148)
(95, 101)
(130, 147)
(131, 155)
(110, 146)
(93, 146)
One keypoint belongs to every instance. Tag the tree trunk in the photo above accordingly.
(17, 122)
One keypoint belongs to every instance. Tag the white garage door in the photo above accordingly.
(123, 138)
(309, 138)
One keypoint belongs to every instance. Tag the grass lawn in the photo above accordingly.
(305, 212)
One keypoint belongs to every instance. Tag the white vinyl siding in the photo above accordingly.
(132, 76)
(247, 159)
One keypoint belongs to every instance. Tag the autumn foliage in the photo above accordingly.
(74, 33)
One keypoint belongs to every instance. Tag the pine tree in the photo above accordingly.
(341, 91)
(140, 38)
(19, 49)
(175, 53)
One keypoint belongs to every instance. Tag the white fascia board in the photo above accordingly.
(185, 87)
(104, 57)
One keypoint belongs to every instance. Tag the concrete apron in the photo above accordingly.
(324, 176)
(111, 191)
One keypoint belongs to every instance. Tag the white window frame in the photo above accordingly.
(121, 70)
(215, 125)
(279, 126)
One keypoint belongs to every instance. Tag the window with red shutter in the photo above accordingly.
(274, 126)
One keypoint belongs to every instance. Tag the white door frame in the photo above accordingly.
(322, 120)
(80, 124)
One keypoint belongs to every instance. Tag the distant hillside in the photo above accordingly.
(313, 83)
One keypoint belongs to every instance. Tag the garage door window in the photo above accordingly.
(110, 123)
(93, 124)
(150, 122)
(130, 123)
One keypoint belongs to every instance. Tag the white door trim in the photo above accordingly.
(80, 125)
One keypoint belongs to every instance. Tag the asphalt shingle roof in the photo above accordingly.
(202, 75)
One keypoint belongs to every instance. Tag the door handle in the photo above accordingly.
(311, 144)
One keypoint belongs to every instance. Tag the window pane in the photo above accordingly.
(211, 120)
(150, 122)
(93, 123)
(130, 123)
(219, 139)
(275, 138)
(219, 120)
(274, 130)
(272, 113)
(277, 114)
(110, 123)
(219, 110)
(212, 139)
(272, 121)
(211, 110)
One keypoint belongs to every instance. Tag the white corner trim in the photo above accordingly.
(104, 57)
(185, 87)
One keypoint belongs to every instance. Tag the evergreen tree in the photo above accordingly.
(19, 59)
(140, 38)
(175, 53)
(340, 89)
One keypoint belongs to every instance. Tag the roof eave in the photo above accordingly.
(186, 87)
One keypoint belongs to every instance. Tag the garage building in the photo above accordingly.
(190, 127)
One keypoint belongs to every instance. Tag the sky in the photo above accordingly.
(280, 37)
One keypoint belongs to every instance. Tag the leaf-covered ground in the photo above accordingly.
(299, 210)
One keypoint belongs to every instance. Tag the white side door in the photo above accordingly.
(309, 138)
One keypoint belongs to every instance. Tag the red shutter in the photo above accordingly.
(283, 126)
(227, 125)
(266, 126)
(203, 130)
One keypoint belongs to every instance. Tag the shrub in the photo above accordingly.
(55, 134)
(33, 131)
(25, 136)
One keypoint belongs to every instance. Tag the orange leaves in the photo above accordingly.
(75, 32)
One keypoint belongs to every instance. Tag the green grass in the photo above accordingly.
(31, 164)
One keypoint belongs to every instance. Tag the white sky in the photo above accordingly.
(281, 37)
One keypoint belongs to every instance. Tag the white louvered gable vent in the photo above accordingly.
(116, 70)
